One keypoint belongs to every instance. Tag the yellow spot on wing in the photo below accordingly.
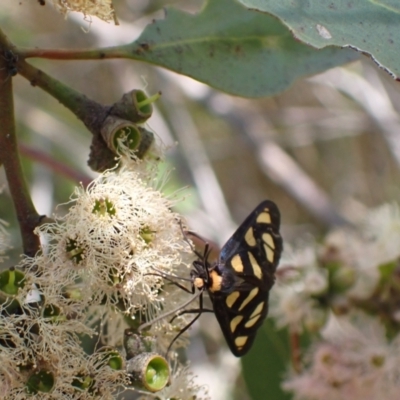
(257, 310)
(249, 237)
(240, 341)
(255, 316)
(254, 264)
(264, 217)
(270, 253)
(250, 297)
(237, 264)
(230, 300)
(252, 321)
(235, 322)
(269, 246)
(267, 238)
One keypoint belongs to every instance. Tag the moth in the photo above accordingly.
(239, 283)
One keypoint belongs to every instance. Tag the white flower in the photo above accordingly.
(109, 254)
(295, 309)
(382, 232)
(374, 243)
(355, 254)
(354, 361)
(122, 236)
(293, 303)
(315, 281)
(296, 259)
(117, 241)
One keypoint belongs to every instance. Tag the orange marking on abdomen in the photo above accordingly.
(216, 282)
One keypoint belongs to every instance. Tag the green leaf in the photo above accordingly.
(368, 26)
(387, 270)
(238, 51)
(266, 363)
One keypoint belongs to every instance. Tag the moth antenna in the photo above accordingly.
(167, 276)
(185, 238)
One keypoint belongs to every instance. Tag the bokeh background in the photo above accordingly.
(325, 151)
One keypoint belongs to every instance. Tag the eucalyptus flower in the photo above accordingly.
(300, 281)
(354, 360)
(114, 258)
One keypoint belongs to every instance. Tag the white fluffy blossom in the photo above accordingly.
(342, 272)
(357, 258)
(364, 250)
(382, 231)
(104, 261)
(122, 236)
(299, 280)
(354, 361)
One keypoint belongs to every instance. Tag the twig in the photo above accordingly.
(56, 166)
(26, 213)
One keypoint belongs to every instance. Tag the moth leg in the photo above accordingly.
(192, 311)
(183, 330)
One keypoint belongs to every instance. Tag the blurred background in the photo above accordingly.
(325, 150)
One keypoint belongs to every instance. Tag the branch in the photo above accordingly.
(26, 213)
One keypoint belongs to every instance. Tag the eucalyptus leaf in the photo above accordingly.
(371, 27)
(266, 363)
(239, 51)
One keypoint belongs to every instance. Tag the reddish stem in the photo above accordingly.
(54, 165)
(295, 351)
(72, 54)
